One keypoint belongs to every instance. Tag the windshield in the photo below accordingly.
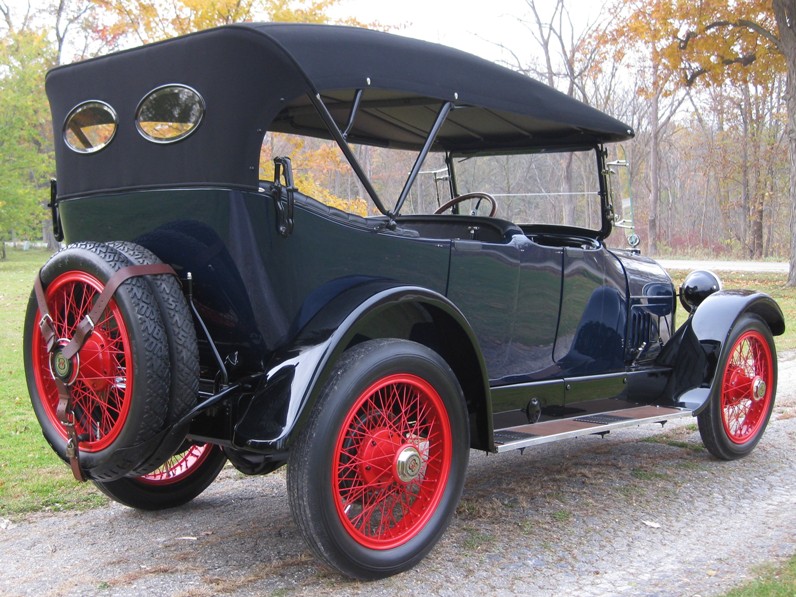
(540, 188)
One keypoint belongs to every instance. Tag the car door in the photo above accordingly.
(483, 283)
(590, 343)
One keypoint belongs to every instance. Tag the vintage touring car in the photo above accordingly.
(208, 309)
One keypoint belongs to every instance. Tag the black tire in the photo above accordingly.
(175, 483)
(395, 405)
(746, 381)
(118, 415)
(183, 352)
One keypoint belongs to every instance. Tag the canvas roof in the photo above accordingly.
(259, 77)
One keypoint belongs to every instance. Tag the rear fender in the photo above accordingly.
(698, 347)
(360, 309)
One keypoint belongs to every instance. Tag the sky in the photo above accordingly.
(476, 27)
(466, 25)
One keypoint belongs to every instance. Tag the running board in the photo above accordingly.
(525, 436)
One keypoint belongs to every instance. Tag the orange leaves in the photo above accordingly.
(319, 169)
(711, 40)
(151, 20)
(306, 11)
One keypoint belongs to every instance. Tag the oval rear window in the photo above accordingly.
(170, 113)
(90, 126)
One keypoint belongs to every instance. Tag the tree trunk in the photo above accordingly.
(791, 95)
(785, 13)
(745, 210)
(570, 203)
(49, 236)
(655, 179)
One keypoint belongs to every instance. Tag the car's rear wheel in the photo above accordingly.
(378, 471)
(734, 421)
(178, 481)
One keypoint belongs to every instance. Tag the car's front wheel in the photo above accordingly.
(377, 472)
(734, 421)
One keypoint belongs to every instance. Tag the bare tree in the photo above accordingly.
(785, 14)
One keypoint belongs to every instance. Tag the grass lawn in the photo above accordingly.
(32, 478)
(779, 581)
(773, 284)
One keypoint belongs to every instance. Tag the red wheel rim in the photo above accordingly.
(747, 387)
(102, 378)
(179, 467)
(391, 461)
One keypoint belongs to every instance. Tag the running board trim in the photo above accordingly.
(525, 436)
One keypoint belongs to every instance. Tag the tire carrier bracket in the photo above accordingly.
(61, 355)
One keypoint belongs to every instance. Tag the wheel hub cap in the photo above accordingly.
(95, 368)
(758, 389)
(61, 367)
(408, 464)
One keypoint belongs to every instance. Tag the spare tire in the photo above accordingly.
(120, 379)
(183, 353)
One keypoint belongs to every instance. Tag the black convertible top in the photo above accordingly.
(258, 77)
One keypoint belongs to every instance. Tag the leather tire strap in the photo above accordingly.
(86, 326)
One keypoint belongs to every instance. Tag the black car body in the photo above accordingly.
(344, 342)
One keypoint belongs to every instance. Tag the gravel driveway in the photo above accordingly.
(643, 511)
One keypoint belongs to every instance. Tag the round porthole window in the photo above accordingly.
(169, 113)
(90, 126)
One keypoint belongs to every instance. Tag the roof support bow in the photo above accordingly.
(340, 138)
(432, 136)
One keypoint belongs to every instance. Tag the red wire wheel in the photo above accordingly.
(747, 389)
(393, 455)
(744, 391)
(376, 472)
(119, 379)
(101, 373)
(179, 467)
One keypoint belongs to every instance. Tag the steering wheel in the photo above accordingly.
(477, 195)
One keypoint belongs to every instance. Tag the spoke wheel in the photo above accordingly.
(747, 390)
(393, 455)
(179, 467)
(179, 480)
(100, 375)
(375, 475)
(737, 416)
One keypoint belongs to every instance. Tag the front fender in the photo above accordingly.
(698, 347)
(297, 372)
(715, 317)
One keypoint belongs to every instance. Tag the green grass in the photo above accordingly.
(773, 284)
(644, 475)
(32, 478)
(773, 582)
